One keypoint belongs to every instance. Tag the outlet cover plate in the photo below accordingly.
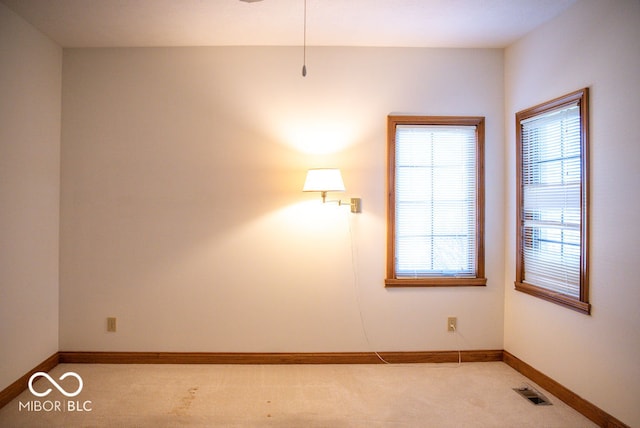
(111, 324)
(452, 321)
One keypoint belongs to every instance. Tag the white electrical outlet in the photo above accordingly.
(452, 324)
(111, 324)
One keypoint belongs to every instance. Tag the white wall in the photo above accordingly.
(182, 210)
(30, 79)
(594, 44)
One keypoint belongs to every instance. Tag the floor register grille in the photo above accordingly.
(533, 396)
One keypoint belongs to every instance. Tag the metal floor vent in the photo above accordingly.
(533, 396)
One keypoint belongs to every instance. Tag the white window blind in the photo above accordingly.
(435, 201)
(551, 189)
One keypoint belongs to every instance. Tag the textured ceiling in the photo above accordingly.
(424, 23)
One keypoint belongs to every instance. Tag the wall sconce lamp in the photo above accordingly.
(325, 180)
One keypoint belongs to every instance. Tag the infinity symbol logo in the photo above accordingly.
(54, 383)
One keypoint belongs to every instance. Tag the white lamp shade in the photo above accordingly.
(323, 180)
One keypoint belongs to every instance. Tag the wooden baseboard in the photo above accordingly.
(277, 358)
(16, 388)
(583, 406)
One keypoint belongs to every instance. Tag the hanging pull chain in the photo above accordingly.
(304, 44)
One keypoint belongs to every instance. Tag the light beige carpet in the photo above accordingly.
(412, 395)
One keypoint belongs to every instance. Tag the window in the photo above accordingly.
(436, 201)
(552, 191)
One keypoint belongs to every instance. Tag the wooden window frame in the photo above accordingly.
(479, 279)
(581, 97)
